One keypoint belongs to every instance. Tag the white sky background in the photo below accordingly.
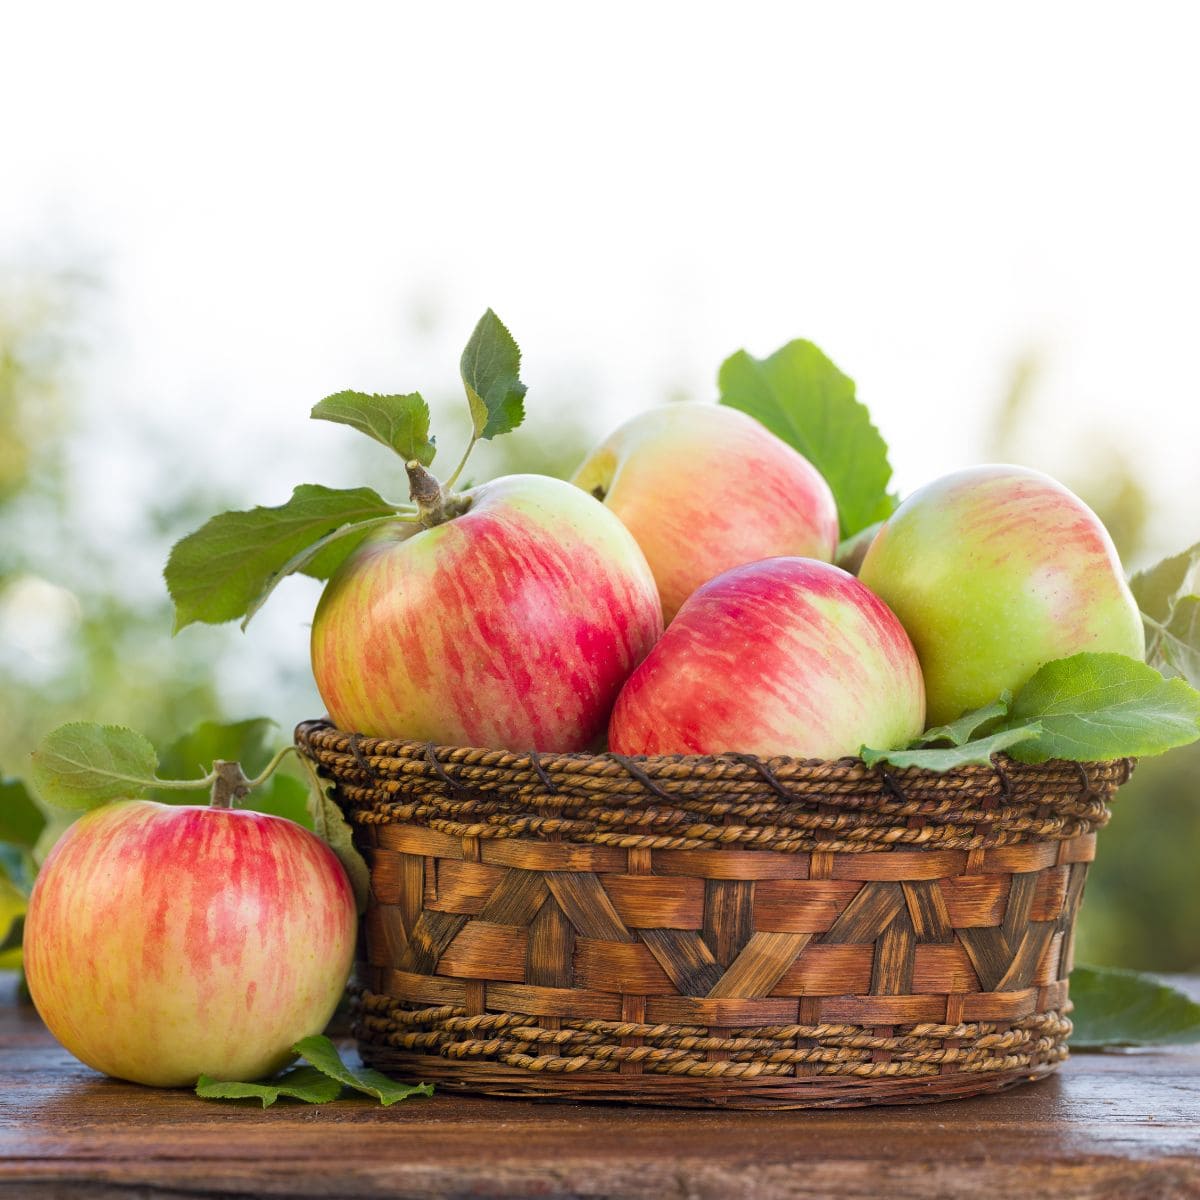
(278, 195)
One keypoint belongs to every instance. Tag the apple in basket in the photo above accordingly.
(510, 617)
(784, 656)
(995, 570)
(164, 942)
(704, 488)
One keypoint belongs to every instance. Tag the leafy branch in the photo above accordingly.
(228, 568)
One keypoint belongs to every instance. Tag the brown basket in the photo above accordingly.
(713, 931)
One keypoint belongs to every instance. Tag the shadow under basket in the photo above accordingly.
(723, 931)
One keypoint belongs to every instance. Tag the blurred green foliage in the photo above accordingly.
(107, 653)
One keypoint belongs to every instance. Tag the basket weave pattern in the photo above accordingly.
(713, 930)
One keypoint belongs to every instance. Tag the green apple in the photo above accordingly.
(994, 571)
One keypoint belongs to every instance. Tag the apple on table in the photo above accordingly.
(164, 942)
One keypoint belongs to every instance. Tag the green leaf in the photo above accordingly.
(1167, 595)
(252, 743)
(1177, 646)
(400, 422)
(300, 1083)
(1127, 1008)
(84, 765)
(490, 366)
(801, 397)
(226, 568)
(949, 758)
(1104, 706)
(329, 824)
(960, 731)
(13, 903)
(1157, 588)
(21, 821)
(323, 1055)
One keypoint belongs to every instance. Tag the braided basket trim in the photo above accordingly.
(693, 802)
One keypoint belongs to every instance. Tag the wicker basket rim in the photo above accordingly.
(848, 768)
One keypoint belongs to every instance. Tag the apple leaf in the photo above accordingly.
(251, 743)
(21, 821)
(1177, 645)
(323, 1055)
(227, 567)
(300, 1083)
(1127, 1008)
(801, 397)
(84, 765)
(1157, 588)
(1168, 595)
(960, 731)
(949, 758)
(318, 1083)
(330, 824)
(400, 422)
(490, 365)
(1104, 706)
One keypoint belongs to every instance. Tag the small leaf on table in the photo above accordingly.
(228, 566)
(322, 1053)
(400, 422)
(300, 1083)
(1128, 1008)
(490, 369)
(83, 765)
(801, 397)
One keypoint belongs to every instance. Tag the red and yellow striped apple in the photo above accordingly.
(784, 656)
(511, 625)
(995, 570)
(164, 942)
(704, 488)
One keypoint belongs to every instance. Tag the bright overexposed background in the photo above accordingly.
(986, 214)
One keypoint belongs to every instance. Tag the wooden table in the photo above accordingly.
(1111, 1125)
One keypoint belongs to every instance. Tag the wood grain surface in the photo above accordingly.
(1111, 1125)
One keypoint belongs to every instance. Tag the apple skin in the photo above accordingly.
(787, 656)
(704, 488)
(995, 570)
(512, 626)
(164, 942)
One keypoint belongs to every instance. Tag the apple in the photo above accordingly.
(995, 570)
(787, 656)
(704, 488)
(512, 624)
(164, 942)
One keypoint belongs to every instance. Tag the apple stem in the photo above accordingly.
(426, 494)
(229, 783)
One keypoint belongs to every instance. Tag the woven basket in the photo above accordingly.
(713, 931)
